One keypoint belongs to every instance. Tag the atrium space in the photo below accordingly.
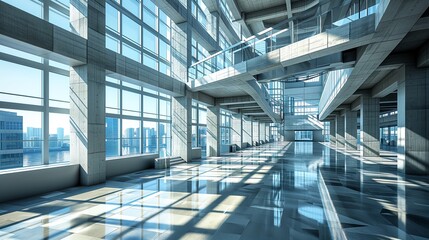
(214, 119)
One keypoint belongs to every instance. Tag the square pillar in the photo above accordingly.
(237, 129)
(350, 121)
(181, 126)
(332, 133)
(213, 131)
(87, 94)
(255, 132)
(247, 133)
(413, 121)
(369, 126)
(262, 131)
(87, 119)
(340, 131)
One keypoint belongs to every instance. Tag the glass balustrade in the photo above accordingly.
(280, 35)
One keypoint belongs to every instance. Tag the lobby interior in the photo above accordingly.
(214, 119)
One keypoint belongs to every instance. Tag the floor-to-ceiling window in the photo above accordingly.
(138, 120)
(34, 110)
(140, 31)
(225, 130)
(199, 127)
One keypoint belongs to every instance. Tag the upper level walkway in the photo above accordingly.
(273, 48)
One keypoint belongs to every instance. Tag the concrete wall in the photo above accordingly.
(37, 180)
(124, 165)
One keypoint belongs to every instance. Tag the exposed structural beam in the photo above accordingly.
(203, 98)
(253, 112)
(423, 57)
(355, 106)
(388, 84)
(279, 11)
(421, 24)
(391, 28)
(28, 33)
(330, 62)
(243, 106)
(235, 100)
(289, 16)
(238, 17)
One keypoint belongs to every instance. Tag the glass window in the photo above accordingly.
(164, 109)
(164, 30)
(112, 137)
(164, 68)
(150, 107)
(150, 41)
(131, 52)
(33, 7)
(59, 138)
(131, 30)
(112, 18)
(20, 84)
(21, 135)
(149, 18)
(59, 88)
(150, 61)
(202, 116)
(133, 6)
(130, 137)
(150, 5)
(58, 18)
(150, 137)
(112, 43)
(164, 50)
(130, 85)
(113, 100)
(131, 103)
(164, 139)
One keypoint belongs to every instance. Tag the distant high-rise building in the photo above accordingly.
(112, 137)
(33, 138)
(60, 136)
(11, 139)
(53, 141)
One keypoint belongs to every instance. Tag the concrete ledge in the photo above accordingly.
(27, 182)
(128, 164)
(196, 153)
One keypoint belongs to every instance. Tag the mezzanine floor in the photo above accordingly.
(285, 190)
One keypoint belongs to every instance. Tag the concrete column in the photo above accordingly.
(237, 129)
(182, 126)
(87, 94)
(350, 121)
(262, 131)
(317, 136)
(289, 135)
(247, 133)
(339, 124)
(213, 131)
(332, 133)
(255, 132)
(369, 126)
(413, 121)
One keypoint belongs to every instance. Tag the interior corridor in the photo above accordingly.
(282, 190)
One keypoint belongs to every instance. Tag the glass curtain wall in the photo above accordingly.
(199, 127)
(130, 21)
(56, 12)
(34, 110)
(225, 129)
(138, 120)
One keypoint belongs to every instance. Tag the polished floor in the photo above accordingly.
(284, 190)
